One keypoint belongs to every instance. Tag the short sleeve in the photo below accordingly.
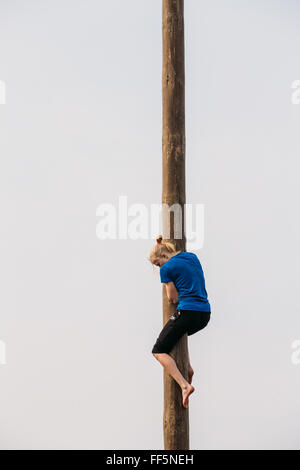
(165, 274)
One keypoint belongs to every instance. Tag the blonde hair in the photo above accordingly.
(161, 246)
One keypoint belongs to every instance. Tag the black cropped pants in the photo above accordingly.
(181, 322)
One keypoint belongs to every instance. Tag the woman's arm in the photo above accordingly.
(172, 292)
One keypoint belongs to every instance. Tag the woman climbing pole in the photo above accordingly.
(182, 274)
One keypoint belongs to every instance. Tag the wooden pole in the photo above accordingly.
(176, 417)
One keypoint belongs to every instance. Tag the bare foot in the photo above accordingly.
(186, 391)
(190, 373)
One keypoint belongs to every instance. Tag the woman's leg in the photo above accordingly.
(170, 366)
(197, 321)
(190, 369)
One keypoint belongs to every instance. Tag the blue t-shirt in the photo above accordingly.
(185, 271)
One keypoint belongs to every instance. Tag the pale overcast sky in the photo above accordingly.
(81, 127)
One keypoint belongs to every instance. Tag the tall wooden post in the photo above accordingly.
(176, 417)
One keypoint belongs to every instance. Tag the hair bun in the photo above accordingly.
(159, 238)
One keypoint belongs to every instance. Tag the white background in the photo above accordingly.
(79, 315)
